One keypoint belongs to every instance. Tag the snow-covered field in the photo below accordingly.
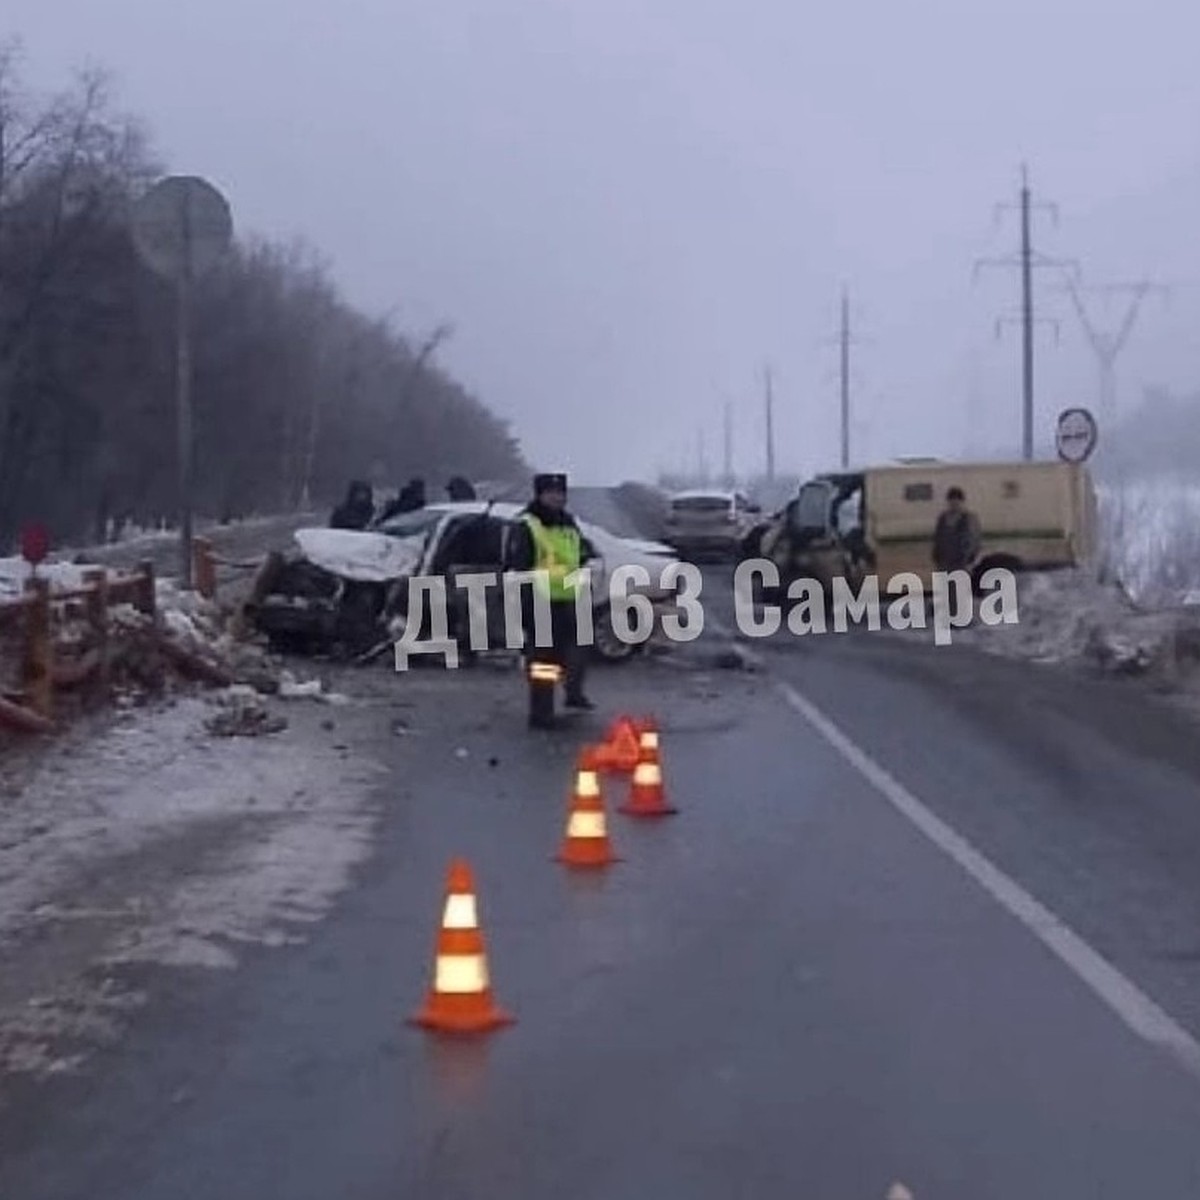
(1151, 536)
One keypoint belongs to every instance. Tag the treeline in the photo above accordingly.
(295, 392)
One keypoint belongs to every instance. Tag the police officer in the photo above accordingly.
(547, 538)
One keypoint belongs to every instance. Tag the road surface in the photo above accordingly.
(824, 975)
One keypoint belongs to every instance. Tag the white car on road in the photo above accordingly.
(339, 585)
(706, 524)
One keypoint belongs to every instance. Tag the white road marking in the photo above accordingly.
(1137, 1010)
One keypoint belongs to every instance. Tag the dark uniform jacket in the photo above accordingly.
(956, 540)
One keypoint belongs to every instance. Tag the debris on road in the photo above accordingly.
(243, 714)
(291, 688)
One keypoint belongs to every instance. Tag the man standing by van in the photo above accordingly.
(957, 538)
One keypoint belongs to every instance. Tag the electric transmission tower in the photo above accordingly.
(1107, 345)
(1027, 259)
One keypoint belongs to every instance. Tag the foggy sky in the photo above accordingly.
(627, 208)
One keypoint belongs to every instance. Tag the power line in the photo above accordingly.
(1027, 258)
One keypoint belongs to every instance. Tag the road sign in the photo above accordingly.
(1076, 434)
(178, 215)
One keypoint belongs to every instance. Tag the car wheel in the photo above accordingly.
(606, 646)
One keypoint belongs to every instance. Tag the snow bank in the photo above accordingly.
(1076, 617)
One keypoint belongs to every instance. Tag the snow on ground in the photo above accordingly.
(14, 572)
(1151, 538)
(1074, 617)
(159, 772)
(174, 831)
(253, 839)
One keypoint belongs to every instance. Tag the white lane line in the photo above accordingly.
(1121, 994)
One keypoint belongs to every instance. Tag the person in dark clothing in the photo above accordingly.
(459, 489)
(357, 510)
(410, 498)
(548, 538)
(416, 495)
(956, 537)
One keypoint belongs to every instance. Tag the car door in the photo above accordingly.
(815, 549)
(474, 544)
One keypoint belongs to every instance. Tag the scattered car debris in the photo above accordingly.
(243, 714)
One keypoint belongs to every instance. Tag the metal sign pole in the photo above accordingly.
(183, 393)
(181, 228)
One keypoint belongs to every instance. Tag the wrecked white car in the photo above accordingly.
(347, 591)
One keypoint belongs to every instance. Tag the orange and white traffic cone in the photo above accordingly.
(460, 1000)
(587, 843)
(647, 735)
(647, 794)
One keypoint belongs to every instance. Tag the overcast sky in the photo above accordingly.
(627, 207)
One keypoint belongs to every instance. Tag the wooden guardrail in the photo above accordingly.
(43, 671)
(205, 564)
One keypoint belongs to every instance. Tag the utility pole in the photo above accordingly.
(770, 403)
(183, 390)
(1027, 259)
(1107, 346)
(844, 340)
(728, 444)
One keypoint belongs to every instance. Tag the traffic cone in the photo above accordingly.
(647, 734)
(460, 1000)
(647, 795)
(587, 843)
(621, 746)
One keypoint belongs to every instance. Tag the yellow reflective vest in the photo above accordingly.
(559, 552)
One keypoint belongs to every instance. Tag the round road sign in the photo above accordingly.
(182, 223)
(1076, 434)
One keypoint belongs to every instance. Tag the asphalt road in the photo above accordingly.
(815, 980)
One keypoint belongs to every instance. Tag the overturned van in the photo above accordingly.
(880, 520)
